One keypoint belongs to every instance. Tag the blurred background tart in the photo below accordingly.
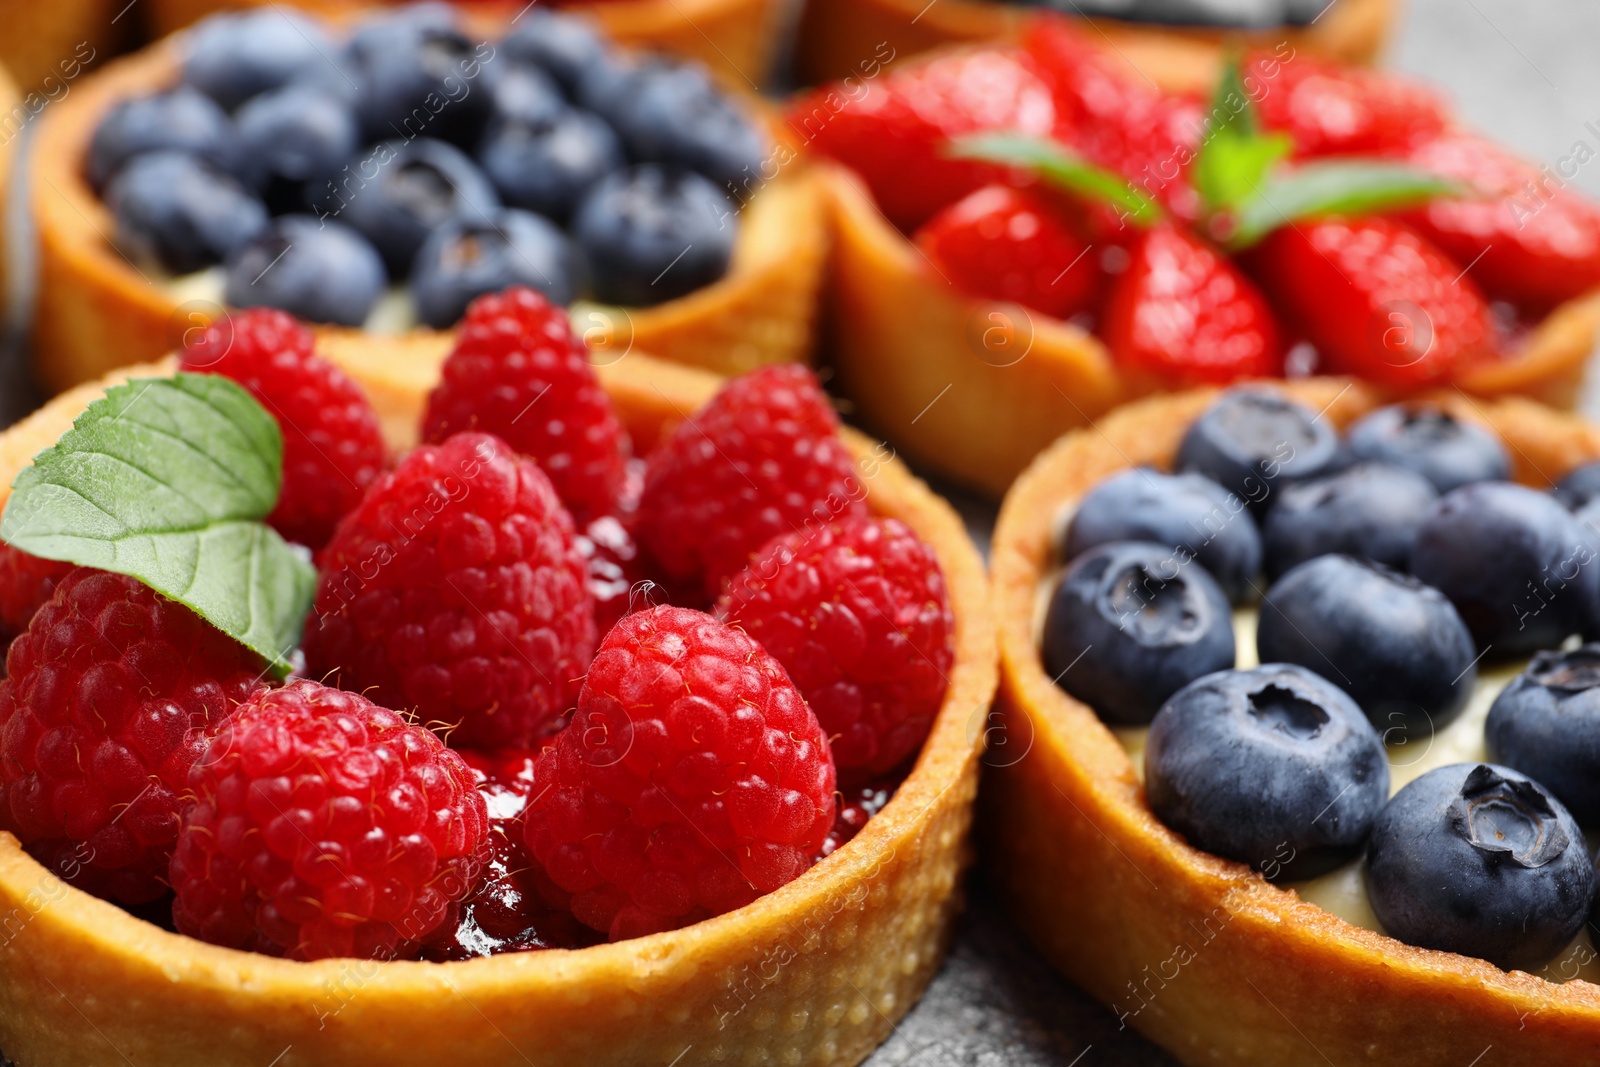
(735, 38)
(838, 38)
(125, 268)
(1210, 957)
(978, 312)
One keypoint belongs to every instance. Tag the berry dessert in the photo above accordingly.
(1049, 234)
(733, 37)
(374, 175)
(1175, 36)
(417, 797)
(1367, 820)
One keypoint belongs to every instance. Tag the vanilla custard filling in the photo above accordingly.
(1343, 891)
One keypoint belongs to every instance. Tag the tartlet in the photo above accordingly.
(973, 389)
(837, 35)
(36, 39)
(735, 38)
(814, 973)
(96, 310)
(1220, 965)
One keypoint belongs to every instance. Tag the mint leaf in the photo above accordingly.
(1236, 156)
(166, 480)
(1060, 167)
(1334, 188)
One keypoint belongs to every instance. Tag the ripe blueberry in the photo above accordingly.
(320, 271)
(1185, 511)
(1546, 724)
(1447, 451)
(182, 120)
(1274, 767)
(1253, 442)
(1129, 625)
(1396, 646)
(1479, 859)
(465, 258)
(176, 210)
(650, 234)
(1520, 569)
(1370, 510)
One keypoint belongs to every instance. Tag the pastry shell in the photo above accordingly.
(40, 43)
(1199, 953)
(97, 310)
(735, 38)
(816, 973)
(973, 390)
(838, 36)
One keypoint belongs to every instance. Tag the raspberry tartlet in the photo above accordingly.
(726, 940)
(838, 36)
(1109, 837)
(476, 154)
(1071, 242)
(736, 38)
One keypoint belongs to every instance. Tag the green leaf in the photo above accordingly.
(1236, 156)
(166, 480)
(1060, 167)
(1334, 188)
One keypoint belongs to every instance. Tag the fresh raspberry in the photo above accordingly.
(858, 615)
(514, 907)
(1018, 245)
(113, 690)
(1184, 314)
(763, 458)
(895, 132)
(26, 583)
(857, 805)
(332, 447)
(1377, 300)
(323, 825)
(518, 372)
(1333, 110)
(692, 779)
(1524, 236)
(456, 590)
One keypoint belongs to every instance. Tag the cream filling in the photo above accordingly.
(1343, 891)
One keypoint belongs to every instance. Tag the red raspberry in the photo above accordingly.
(113, 691)
(514, 907)
(761, 459)
(1018, 245)
(26, 583)
(323, 825)
(332, 447)
(518, 372)
(456, 589)
(692, 779)
(858, 615)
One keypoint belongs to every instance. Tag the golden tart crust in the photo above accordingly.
(35, 38)
(837, 35)
(735, 38)
(1199, 953)
(97, 310)
(974, 389)
(816, 973)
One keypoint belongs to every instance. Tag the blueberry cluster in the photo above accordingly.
(321, 171)
(1400, 557)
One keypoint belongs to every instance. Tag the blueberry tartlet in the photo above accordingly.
(1178, 36)
(375, 175)
(1029, 234)
(497, 796)
(1362, 836)
(733, 37)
